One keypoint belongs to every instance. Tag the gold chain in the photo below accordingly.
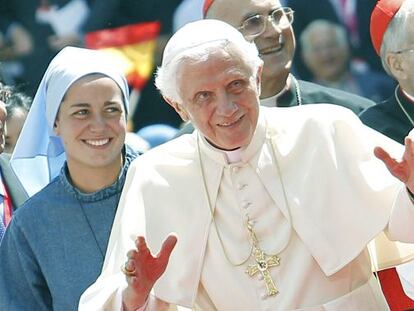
(297, 91)
(252, 235)
(401, 106)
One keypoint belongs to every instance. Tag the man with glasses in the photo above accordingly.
(268, 24)
(392, 33)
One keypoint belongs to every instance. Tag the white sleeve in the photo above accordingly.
(401, 224)
(106, 294)
(144, 307)
(406, 271)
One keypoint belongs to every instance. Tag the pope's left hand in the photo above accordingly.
(402, 169)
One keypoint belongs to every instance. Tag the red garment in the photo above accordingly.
(350, 20)
(393, 291)
(381, 16)
(7, 205)
(206, 6)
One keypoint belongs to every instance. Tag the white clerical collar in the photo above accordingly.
(272, 100)
(240, 155)
(269, 101)
(233, 156)
(410, 97)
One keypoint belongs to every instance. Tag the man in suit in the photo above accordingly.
(12, 194)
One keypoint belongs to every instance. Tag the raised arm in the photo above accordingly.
(142, 270)
(402, 169)
(401, 222)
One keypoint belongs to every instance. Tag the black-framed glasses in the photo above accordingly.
(255, 25)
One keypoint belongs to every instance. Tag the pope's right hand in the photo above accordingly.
(142, 270)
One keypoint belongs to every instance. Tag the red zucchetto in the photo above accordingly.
(206, 6)
(381, 16)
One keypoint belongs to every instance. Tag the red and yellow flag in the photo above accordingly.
(132, 47)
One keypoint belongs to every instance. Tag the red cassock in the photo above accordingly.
(393, 291)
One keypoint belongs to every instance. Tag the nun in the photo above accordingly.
(72, 160)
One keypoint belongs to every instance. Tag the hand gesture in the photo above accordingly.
(142, 270)
(402, 169)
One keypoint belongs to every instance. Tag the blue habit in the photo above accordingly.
(49, 254)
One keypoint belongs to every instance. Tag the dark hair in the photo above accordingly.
(14, 99)
(5, 92)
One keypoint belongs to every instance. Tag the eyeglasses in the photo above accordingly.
(254, 26)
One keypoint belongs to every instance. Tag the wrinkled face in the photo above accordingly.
(276, 46)
(3, 116)
(91, 123)
(326, 57)
(221, 98)
(405, 59)
(14, 124)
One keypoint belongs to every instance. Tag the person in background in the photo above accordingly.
(392, 39)
(261, 199)
(392, 33)
(354, 15)
(269, 26)
(17, 105)
(54, 247)
(326, 53)
(12, 194)
(38, 30)
(15, 43)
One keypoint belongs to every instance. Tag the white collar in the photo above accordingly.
(242, 154)
(233, 156)
(272, 100)
(410, 97)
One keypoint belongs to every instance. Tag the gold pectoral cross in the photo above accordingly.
(262, 265)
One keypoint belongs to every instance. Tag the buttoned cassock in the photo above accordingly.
(339, 197)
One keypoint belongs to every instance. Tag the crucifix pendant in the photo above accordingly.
(262, 265)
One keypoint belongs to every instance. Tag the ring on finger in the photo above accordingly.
(126, 271)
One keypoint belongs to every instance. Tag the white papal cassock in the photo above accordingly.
(317, 209)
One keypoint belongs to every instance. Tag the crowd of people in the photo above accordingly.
(266, 164)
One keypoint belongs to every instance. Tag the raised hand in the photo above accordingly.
(402, 169)
(142, 270)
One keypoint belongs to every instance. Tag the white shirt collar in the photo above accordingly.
(410, 97)
(233, 156)
(272, 100)
(242, 154)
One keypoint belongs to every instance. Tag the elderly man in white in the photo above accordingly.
(273, 207)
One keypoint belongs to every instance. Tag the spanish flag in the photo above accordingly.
(132, 47)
